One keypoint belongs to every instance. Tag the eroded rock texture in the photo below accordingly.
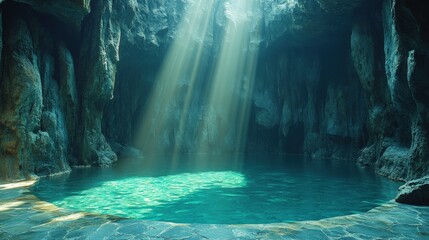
(396, 92)
(345, 79)
(32, 133)
(69, 12)
(301, 99)
(310, 105)
(97, 72)
(53, 86)
(307, 22)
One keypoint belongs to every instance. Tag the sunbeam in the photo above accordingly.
(229, 93)
(219, 81)
(173, 92)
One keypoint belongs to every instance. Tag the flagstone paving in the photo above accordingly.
(24, 216)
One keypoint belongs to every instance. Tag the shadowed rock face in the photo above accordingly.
(307, 22)
(97, 71)
(390, 55)
(33, 139)
(344, 79)
(70, 12)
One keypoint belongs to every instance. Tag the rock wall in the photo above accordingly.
(32, 125)
(300, 95)
(53, 86)
(98, 57)
(390, 55)
(147, 28)
(343, 79)
(308, 104)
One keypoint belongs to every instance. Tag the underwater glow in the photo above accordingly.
(135, 197)
(270, 189)
(201, 103)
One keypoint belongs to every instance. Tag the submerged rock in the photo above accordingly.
(415, 192)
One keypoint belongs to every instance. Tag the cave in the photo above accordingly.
(214, 119)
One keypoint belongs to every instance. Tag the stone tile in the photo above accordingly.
(220, 232)
(310, 234)
(367, 231)
(31, 236)
(132, 229)
(178, 232)
(23, 216)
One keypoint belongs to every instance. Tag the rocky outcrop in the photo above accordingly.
(47, 90)
(69, 12)
(398, 137)
(32, 137)
(97, 71)
(147, 29)
(415, 192)
(310, 22)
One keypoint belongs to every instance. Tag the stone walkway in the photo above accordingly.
(24, 216)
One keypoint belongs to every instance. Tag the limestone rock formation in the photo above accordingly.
(415, 192)
(308, 104)
(69, 100)
(298, 23)
(316, 129)
(32, 134)
(398, 145)
(69, 12)
(97, 71)
(344, 79)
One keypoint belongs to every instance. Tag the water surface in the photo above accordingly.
(221, 189)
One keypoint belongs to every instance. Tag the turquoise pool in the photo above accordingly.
(220, 189)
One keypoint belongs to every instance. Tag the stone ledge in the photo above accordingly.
(24, 216)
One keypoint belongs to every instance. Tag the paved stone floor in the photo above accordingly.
(24, 216)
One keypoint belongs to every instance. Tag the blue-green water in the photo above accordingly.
(221, 189)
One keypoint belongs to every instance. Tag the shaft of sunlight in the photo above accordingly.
(229, 97)
(166, 107)
(201, 98)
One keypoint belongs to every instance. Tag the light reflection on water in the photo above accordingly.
(267, 189)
